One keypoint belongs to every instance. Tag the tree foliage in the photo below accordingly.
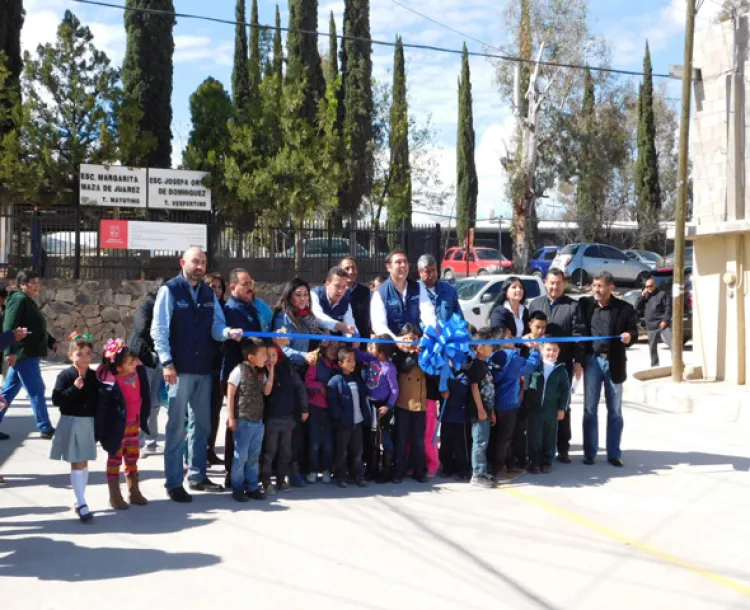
(11, 22)
(400, 189)
(147, 73)
(304, 68)
(467, 184)
(240, 68)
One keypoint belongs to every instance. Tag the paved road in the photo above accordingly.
(667, 531)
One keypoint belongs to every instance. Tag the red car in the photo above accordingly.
(481, 261)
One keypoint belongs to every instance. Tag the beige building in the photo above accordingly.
(720, 225)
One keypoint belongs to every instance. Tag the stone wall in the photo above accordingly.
(104, 308)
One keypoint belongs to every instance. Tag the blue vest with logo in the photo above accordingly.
(190, 340)
(338, 311)
(445, 300)
(397, 311)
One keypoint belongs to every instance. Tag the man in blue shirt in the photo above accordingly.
(442, 295)
(187, 321)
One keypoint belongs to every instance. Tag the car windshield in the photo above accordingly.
(532, 288)
(570, 249)
(650, 256)
(468, 289)
(488, 254)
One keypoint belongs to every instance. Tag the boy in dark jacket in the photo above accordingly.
(347, 401)
(287, 399)
(546, 399)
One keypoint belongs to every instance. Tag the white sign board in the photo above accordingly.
(113, 186)
(169, 236)
(178, 189)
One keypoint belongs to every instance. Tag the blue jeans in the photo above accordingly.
(596, 374)
(27, 373)
(480, 438)
(320, 428)
(192, 396)
(248, 439)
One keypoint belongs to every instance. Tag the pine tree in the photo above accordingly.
(304, 59)
(586, 197)
(240, 70)
(400, 189)
(147, 73)
(647, 188)
(467, 185)
(11, 22)
(356, 69)
(332, 70)
(278, 47)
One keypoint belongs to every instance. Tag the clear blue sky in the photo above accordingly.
(205, 49)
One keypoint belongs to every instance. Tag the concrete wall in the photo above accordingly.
(719, 227)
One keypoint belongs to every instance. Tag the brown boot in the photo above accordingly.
(116, 500)
(134, 492)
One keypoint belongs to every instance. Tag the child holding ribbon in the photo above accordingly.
(76, 393)
(124, 407)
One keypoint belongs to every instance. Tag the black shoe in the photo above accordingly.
(421, 479)
(589, 461)
(4, 437)
(205, 485)
(545, 469)
(255, 494)
(48, 434)
(564, 458)
(397, 480)
(239, 496)
(534, 469)
(84, 517)
(178, 494)
(616, 462)
(213, 459)
(361, 483)
(343, 484)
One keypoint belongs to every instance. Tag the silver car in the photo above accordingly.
(581, 262)
(648, 258)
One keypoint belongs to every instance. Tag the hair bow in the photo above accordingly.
(76, 335)
(112, 348)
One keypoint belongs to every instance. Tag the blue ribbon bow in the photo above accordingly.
(444, 349)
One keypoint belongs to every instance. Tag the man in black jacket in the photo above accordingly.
(604, 315)
(561, 313)
(655, 307)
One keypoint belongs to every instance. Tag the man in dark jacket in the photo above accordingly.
(655, 307)
(561, 313)
(360, 296)
(24, 357)
(604, 315)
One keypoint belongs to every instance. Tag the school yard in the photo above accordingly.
(670, 530)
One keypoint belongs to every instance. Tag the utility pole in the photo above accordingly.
(678, 288)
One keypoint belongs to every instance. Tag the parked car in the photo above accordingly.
(541, 260)
(651, 259)
(669, 258)
(481, 261)
(317, 247)
(581, 262)
(477, 295)
(664, 278)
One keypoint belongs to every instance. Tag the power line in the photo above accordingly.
(421, 47)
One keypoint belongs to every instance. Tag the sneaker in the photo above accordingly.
(361, 483)
(343, 484)
(150, 449)
(256, 494)
(269, 489)
(326, 478)
(239, 496)
(283, 486)
(482, 481)
(296, 480)
(312, 478)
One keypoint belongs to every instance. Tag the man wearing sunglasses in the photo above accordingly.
(655, 308)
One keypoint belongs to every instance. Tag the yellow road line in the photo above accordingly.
(650, 550)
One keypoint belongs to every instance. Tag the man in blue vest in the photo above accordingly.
(360, 295)
(399, 300)
(187, 321)
(443, 296)
(332, 303)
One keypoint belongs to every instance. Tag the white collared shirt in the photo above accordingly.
(379, 317)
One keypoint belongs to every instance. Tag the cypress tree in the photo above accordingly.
(467, 185)
(356, 68)
(586, 195)
(304, 59)
(254, 67)
(147, 73)
(240, 72)
(400, 191)
(647, 188)
(11, 22)
(278, 48)
(333, 51)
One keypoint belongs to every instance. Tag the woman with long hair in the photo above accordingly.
(509, 310)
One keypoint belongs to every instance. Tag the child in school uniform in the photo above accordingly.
(481, 408)
(247, 386)
(347, 400)
(381, 380)
(455, 427)
(508, 366)
(76, 393)
(123, 411)
(319, 425)
(547, 397)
